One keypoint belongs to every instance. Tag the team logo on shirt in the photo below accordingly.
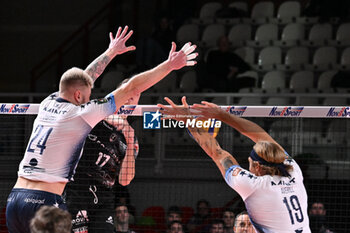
(101, 101)
(109, 220)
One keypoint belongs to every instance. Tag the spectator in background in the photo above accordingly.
(154, 49)
(123, 197)
(121, 222)
(326, 9)
(318, 219)
(175, 227)
(223, 66)
(201, 219)
(174, 214)
(164, 34)
(341, 79)
(228, 217)
(50, 219)
(243, 224)
(228, 11)
(217, 226)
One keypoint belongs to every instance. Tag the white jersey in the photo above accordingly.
(274, 203)
(58, 136)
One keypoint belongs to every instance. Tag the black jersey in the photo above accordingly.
(104, 151)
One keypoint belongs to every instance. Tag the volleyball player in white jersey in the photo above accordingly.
(64, 120)
(272, 189)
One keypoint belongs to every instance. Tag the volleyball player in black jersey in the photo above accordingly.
(109, 157)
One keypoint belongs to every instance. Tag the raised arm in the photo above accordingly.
(244, 126)
(222, 158)
(147, 79)
(127, 170)
(116, 46)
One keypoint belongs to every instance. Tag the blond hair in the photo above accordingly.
(75, 77)
(273, 153)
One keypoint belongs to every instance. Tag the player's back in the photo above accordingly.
(280, 203)
(274, 203)
(58, 135)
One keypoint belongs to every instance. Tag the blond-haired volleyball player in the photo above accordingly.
(272, 189)
(64, 120)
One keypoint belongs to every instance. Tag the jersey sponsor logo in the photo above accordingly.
(126, 109)
(31, 169)
(54, 110)
(237, 111)
(81, 230)
(343, 112)
(78, 220)
(34, 201)
(286, 111)
(110, 220)
(287, 190)
(282, 182)
(14, 108)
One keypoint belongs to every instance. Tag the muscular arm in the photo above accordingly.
(147, 79)
(222, 158)
(127, 170)
(116, 46)
(244, 126)
(96, 68)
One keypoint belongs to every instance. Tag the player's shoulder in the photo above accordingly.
(237, 172)
(95, 103)
(51, 97)
(104, 126)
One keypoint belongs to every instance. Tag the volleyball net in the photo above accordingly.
(171, 169)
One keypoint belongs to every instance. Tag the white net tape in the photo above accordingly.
(244, 111)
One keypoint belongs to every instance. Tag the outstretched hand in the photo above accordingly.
(117, 43)
(176, 112)
(182, 58)
(208, 110)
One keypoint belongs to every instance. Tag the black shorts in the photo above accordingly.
(22, 205)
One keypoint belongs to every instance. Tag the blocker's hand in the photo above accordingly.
(176, 112)
(184, 57)
(208, 110)
(117, 44)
